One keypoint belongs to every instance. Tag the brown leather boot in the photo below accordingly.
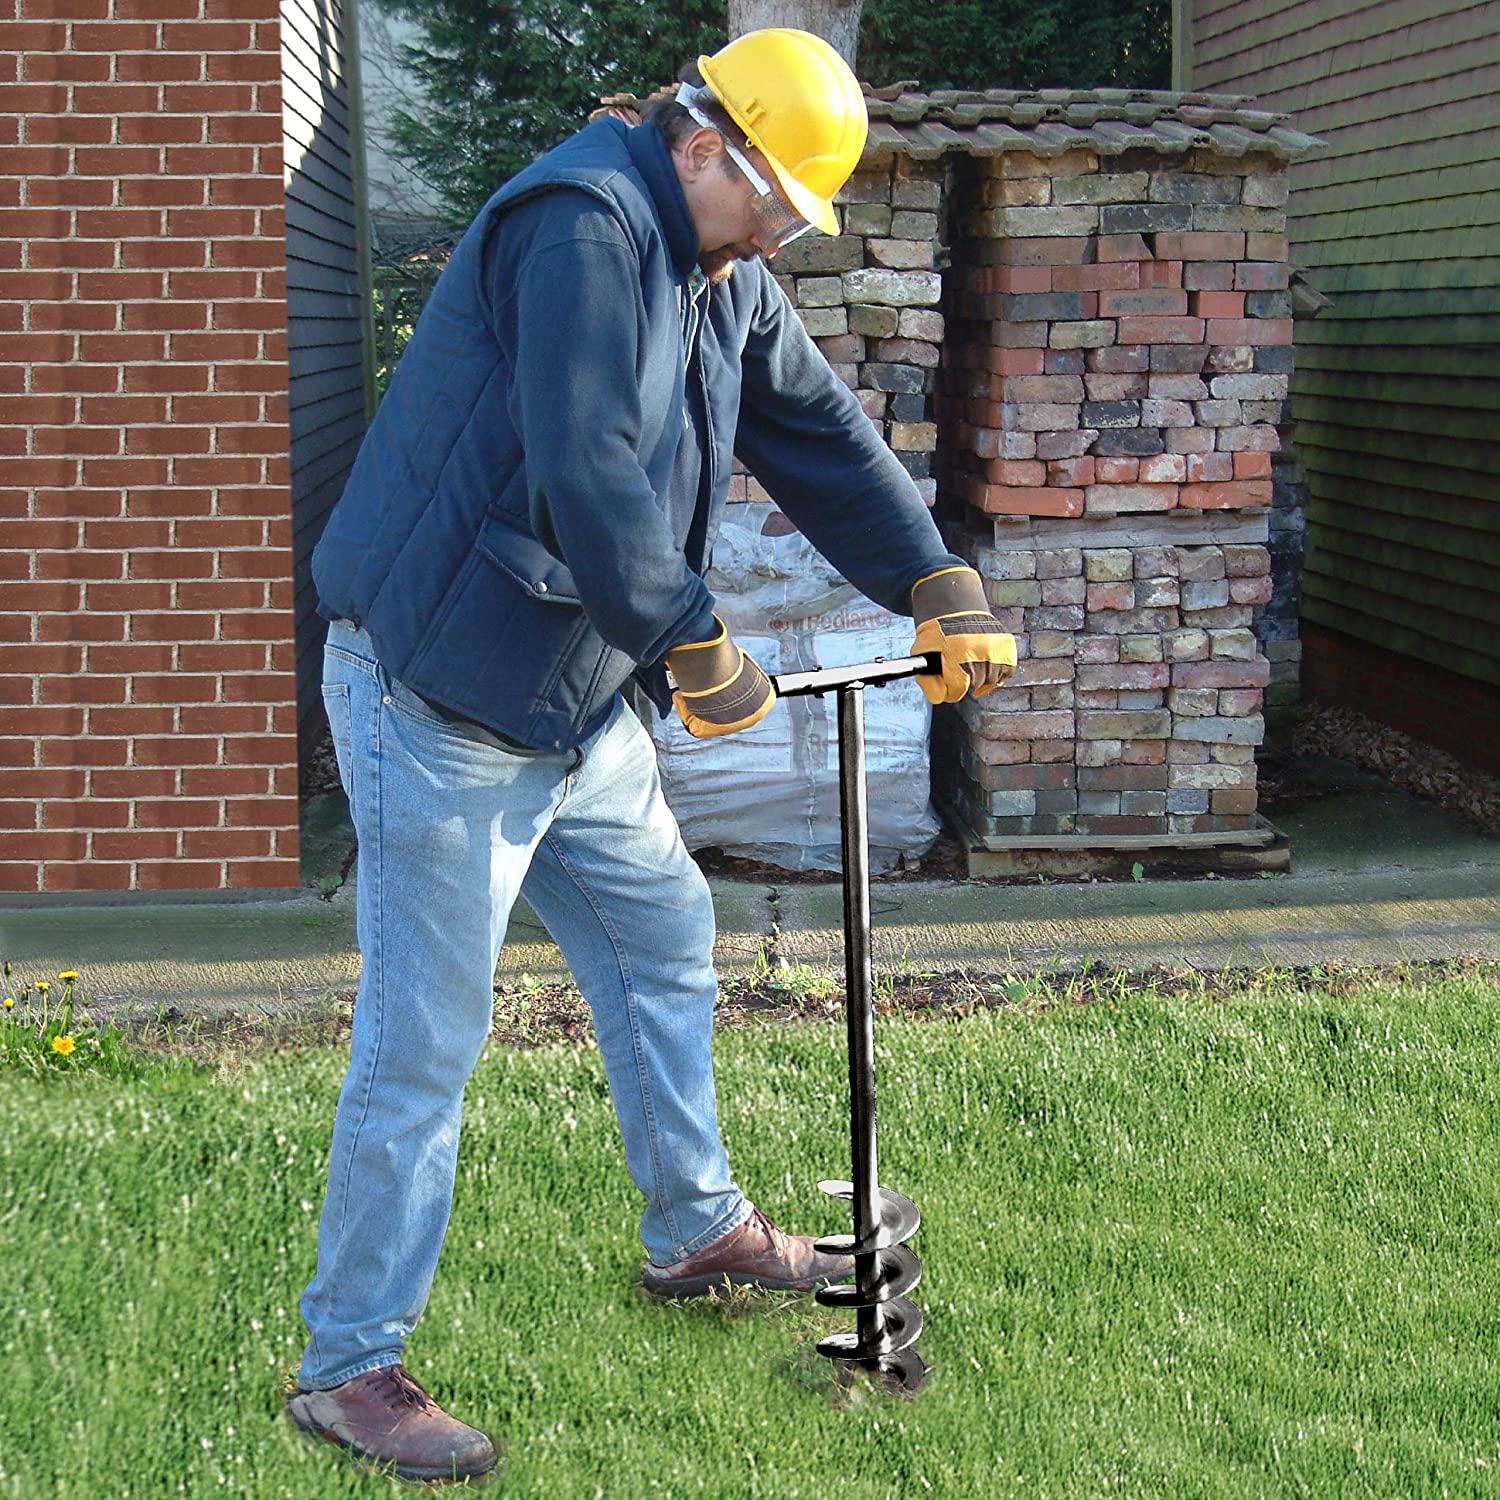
(386, 1416)
(756, 1253)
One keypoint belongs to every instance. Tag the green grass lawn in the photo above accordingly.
(1235, 1244)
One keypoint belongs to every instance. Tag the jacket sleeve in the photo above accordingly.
(807, 439)
(575, 330)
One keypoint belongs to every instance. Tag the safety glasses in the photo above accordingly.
(777, 223)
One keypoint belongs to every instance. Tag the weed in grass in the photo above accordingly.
(766, 964)
(802, 981)
(45, 1038)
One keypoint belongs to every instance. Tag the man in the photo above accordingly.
(525, 530)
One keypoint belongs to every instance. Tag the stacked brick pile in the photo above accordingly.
(1119, 352)
(1092, 406)
(1115, 374)
(869, 298)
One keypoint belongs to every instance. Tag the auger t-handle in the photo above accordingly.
(884, 1268)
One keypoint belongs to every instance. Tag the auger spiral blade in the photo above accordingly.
(897, 1326)
(899, 1220)
(902, 1373)
(896, 1272)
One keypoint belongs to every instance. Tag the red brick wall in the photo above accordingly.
(147, 714)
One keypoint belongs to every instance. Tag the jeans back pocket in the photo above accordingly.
(341, 728)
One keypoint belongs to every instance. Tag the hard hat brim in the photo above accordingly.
(814, 209)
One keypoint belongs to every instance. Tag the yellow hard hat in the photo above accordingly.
(800, 106)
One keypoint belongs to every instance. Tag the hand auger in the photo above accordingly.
(884, 1268)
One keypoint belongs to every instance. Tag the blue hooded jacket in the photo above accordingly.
(520, 532)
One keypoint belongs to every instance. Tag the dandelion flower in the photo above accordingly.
(44, 985)
(63, 1044)
(68, 974)
(9, 1003)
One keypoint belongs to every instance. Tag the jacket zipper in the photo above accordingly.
(700, 316)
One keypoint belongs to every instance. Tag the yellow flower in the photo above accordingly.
(44, 985)
(63, 1044)
(9, 1003)
(68, 974)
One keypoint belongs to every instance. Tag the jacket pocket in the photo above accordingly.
(511, 642)
(526, 562)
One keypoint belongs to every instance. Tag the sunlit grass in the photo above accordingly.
(1229, 1243)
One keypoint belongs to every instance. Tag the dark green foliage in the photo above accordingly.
(1018, 44)
(508, 79)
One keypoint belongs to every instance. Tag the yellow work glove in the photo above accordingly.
(719, 688)
(953, 616)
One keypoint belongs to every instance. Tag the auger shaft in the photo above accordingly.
(859, 1005)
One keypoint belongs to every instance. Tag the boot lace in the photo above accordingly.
(767, 1228)
(399, 1388)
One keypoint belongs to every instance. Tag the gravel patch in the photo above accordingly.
(1405, 762)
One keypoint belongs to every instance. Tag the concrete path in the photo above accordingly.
(1377, 877)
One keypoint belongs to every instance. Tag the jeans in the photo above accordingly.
(453, 822)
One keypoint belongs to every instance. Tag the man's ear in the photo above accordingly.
(699, 150)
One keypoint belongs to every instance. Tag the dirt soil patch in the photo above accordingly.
(527, 1016)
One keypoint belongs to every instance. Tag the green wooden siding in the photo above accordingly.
(1396, 397)
(324, 308)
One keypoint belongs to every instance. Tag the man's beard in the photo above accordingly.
(718, 265)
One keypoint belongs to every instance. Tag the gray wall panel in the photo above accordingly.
(323, 300)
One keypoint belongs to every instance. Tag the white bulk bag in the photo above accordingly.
(771, 792)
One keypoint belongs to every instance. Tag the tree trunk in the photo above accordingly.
(836, 21)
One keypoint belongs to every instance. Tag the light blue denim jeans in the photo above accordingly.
(453, 822)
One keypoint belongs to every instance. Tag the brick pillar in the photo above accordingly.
(148, 738)
(1119, 352)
